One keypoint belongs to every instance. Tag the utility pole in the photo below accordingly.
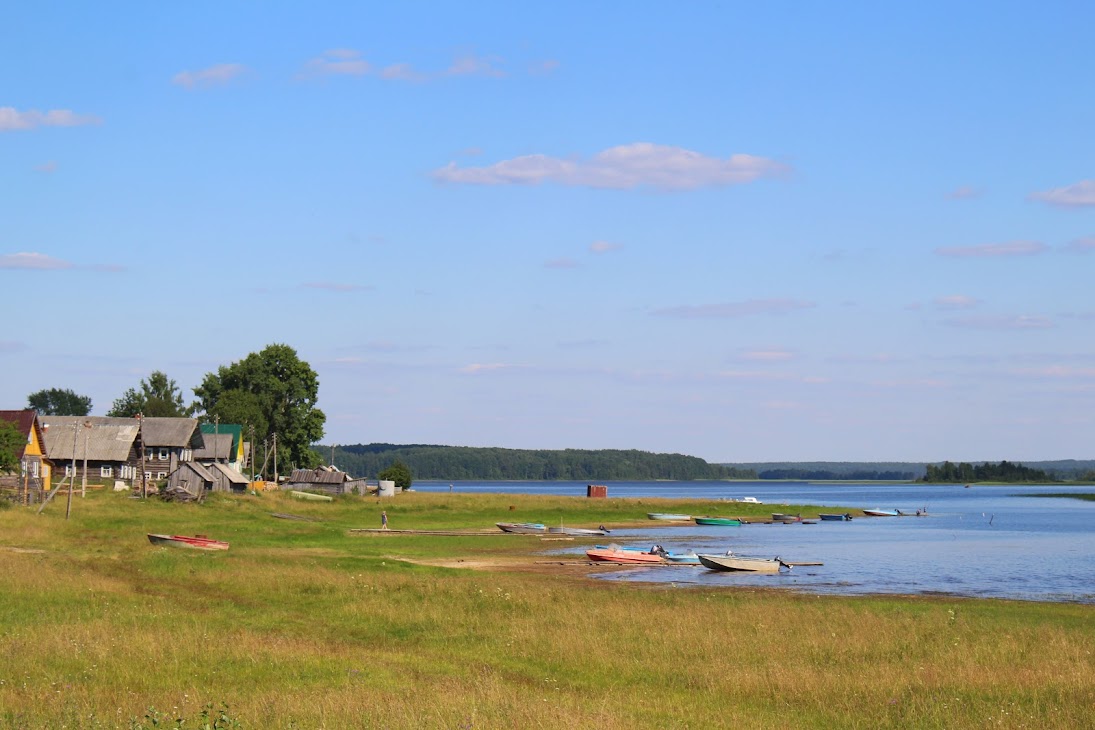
(333, 455)
(140, 437)
(251, 453)
(87, 437)
(75, 432)
(275, 439)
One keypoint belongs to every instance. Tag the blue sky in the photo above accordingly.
(742, 231)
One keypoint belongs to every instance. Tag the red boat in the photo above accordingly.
(627, 557)
(198, 542)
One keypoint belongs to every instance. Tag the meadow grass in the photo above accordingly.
(304, 625)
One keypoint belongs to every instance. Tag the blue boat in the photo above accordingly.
(836, 518)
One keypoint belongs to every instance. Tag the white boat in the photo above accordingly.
(578, 531)
(669, 517)
(522, 528)
(750, 500)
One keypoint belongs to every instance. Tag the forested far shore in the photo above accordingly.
(438, 462)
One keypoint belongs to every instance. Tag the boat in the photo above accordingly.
(881, 512)
(836, 518)
(780, 517)
(688, 558)
(741, 564)
(749, 500)
(522, 528)
(669, 517)
(197, 542)
(312, 497)
(625, 557)
(918, 513)
(614, 546)
(578, 531)
(721, 521)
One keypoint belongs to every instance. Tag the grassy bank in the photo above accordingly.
(302, 624)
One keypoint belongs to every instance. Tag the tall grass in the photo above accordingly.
(302, 625)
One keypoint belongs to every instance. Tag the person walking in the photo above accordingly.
(383, 519)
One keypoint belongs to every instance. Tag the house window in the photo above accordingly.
(161, 475)
(164, 455)
(148, 476)
(34, 469)
(69, 470)
(186, 455)
(106, 470)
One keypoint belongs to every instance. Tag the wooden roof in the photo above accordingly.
(24, 420)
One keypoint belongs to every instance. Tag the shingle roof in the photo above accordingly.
(107, 439)
(171, 432)
(217, 446)
(233, 476)
(323, 475)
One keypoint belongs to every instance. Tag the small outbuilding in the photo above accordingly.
(325, 479)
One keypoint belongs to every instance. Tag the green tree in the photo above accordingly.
(158, 396)
(10, 443)
(274, 391)
(399, 473)
(58, 402)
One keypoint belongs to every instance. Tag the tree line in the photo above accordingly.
(1005, 471)
(493, 464)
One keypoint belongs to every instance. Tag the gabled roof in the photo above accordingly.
(179, 433)
(198, 469)
(217, 446)
(24, 420)
(322, 475)
(231, 474)
(96, 437)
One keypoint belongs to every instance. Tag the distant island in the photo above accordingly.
(438, 462)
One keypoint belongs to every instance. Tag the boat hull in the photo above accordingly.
(881, 512)
(669, 517)
(185, 541)
(836, 518)
(733, 563)
(577, 531)
(718, 521)
(624, 557)
(522, 528)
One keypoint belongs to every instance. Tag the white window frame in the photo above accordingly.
(34, 469)
(106, 470)
(148, 476)
(161, 475)
(69, 470)
(164, 454)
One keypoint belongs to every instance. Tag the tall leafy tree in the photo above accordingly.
(10, 443)
(399, 473)
(274, 391)
(157, 396)
(59, 402)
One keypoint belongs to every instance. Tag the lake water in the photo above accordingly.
(988, 542)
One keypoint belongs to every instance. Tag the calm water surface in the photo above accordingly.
(989, 542)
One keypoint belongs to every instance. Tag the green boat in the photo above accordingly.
(721, 521)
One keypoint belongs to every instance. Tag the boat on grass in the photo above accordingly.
(197, 542)
(686, 558)
(780, 517)
(624, 557)
(669, 517)
(737, 563)
(720, 521)
(522, 528)
(836, 518)
(881, 512)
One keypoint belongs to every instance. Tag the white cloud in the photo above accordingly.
(964, 193)
(401, 72)
(956, 301)
(47, 167)
(336, 62)
(470, 65)
(773, 355)
(620, 168)
(1082, 245)
(1062, 372)
(1002, 322)
(213, 76)
(11, 119)
(1077, 195)
(734, 309)
(994, 250)
(476, 368)
(604, 247)
(36, 261)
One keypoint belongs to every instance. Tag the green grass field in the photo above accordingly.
(304, 625)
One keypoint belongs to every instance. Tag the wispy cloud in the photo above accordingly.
(964, 193)
(599, 247)
(47, 167)
(1077, 195)
(543, 68)
(994, 250)
(9, 346)
(1002, 322)
(336, 62)
(217, 75)
(730, 310)
(1082, 245)
(477, 368)
(12, 120)
(44, 262)
(956, 301)
(561, 263)
(335, 286)
(620, 168)
(1059, 372)
(401, 72)
(472, 65)
(772, 355)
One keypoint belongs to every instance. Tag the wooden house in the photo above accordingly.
(324, 479)
(191, 477)
(96, 446)
(167, 442)
(35, 469)
(224, 444)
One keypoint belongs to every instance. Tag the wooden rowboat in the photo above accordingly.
(740, 564)
(625, 557)
(836, 518)
(721, 521)
(669, 517)
(578, 531)
(198, 542)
